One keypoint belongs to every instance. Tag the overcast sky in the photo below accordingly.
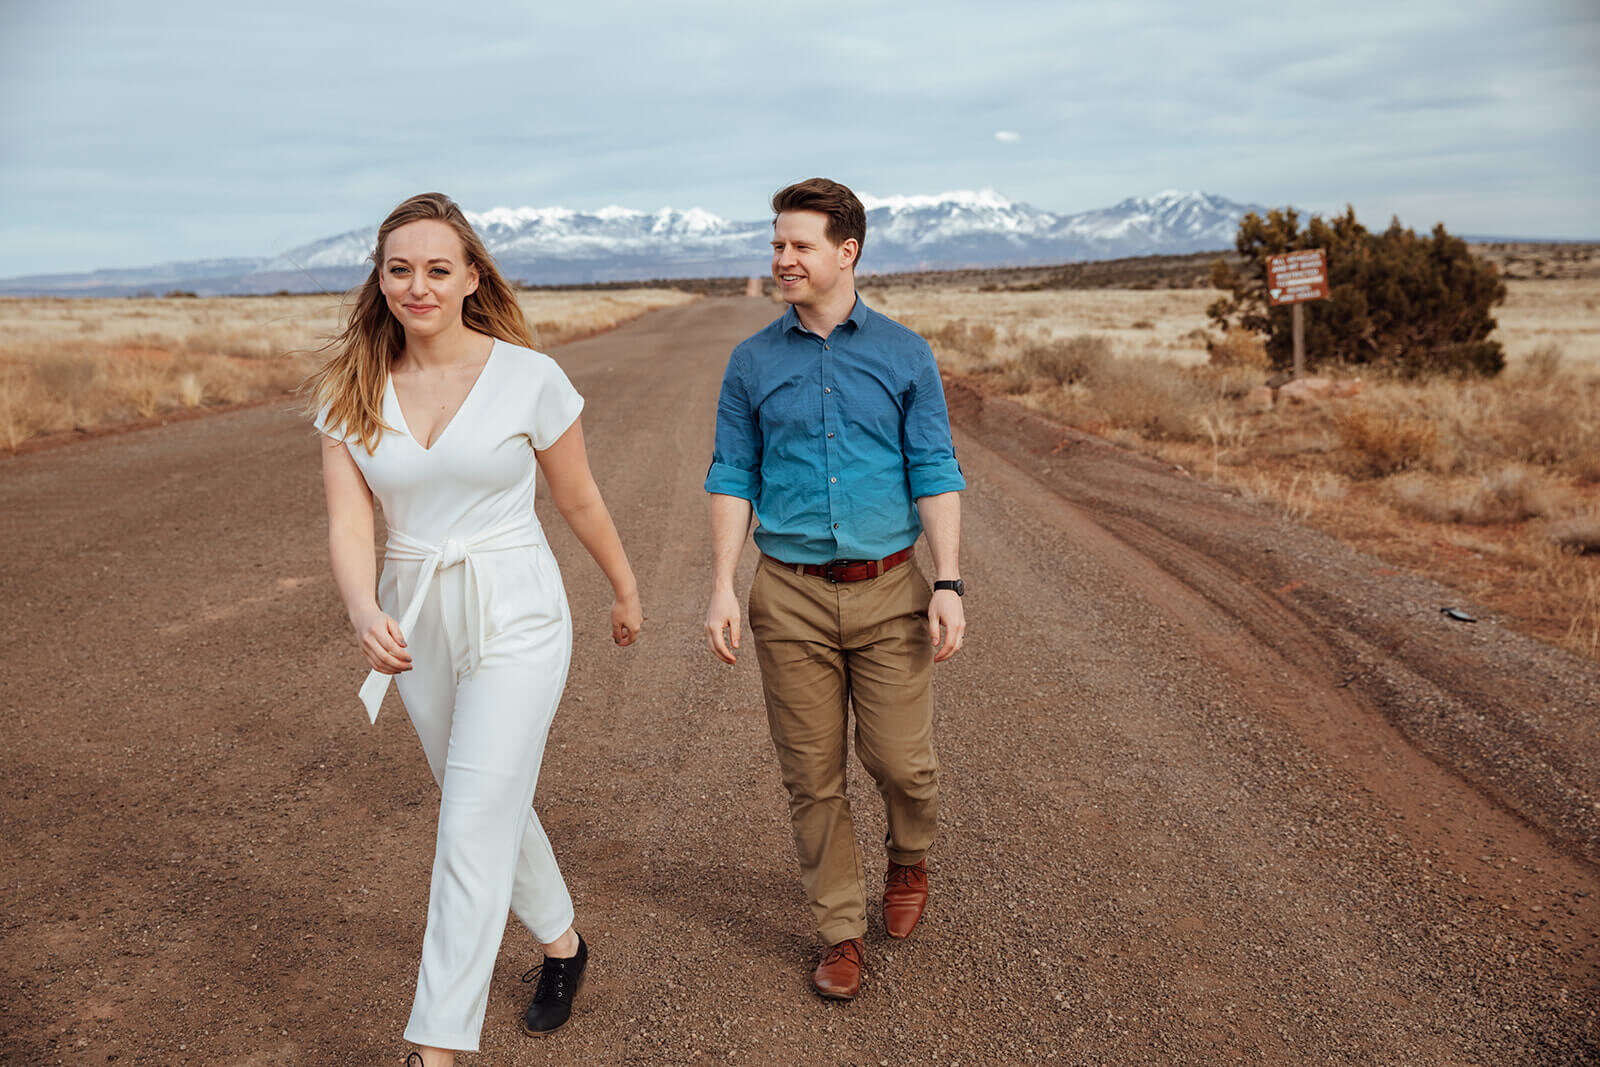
(133, 134)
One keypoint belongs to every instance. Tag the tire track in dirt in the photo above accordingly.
(1513, 716)
(1299, 871)
(1209, 606)
(1168, 832)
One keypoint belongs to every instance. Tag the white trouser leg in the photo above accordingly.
(484, 737)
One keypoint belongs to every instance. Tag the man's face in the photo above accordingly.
(809, 268)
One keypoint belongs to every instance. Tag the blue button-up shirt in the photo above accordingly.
(833, 439)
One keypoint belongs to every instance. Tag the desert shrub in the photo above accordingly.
(1545, 428)
(139, 383)
(1381, 444)
(1239, 348)
(1510, 494)
(1585, 467)
(65, 375)
(1224, 383)
(1066, 360)
(974, 342)
(25, 407)
(1417, 304)
(1424, 496)
(1228, 433)
(190, 392)
(1580, 534)
(1155, 398)
(1583, 632)
(1008, 377)
(1541, 366)
(1521, 419)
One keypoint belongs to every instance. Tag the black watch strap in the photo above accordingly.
(956, 586)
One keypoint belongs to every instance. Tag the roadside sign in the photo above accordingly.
(1296, 276)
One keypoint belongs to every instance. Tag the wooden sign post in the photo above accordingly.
(1293, 278)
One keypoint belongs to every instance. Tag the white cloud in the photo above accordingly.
(1007, 135)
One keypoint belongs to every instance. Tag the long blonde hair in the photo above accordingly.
(349, 386)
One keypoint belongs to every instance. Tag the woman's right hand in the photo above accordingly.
(382, 643)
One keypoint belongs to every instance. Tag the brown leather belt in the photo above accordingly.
(847, 570)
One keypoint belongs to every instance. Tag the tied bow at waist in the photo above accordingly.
(434, 558)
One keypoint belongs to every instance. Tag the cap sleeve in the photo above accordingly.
(320, 421)
(555, 403)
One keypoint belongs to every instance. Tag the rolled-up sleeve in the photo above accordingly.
(930, 455)
(736, 456)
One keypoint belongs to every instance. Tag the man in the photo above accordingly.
(832, 426)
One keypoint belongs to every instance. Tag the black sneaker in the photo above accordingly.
(559, 981)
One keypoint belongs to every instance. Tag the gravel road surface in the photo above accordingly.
(1216, 789)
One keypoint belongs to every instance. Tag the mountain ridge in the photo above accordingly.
(957, 229)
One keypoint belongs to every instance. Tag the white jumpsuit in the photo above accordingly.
(469, 576)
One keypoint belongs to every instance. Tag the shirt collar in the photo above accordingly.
(857, 317)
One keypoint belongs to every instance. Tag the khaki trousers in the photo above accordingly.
(823, 647)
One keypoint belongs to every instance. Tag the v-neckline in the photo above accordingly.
(473, 388)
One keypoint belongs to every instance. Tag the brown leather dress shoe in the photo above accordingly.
(838, 976)
(905, 894)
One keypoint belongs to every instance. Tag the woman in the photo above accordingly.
(434, 402)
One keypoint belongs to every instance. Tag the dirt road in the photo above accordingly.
(1216, 789)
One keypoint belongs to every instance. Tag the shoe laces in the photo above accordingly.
(837, 952)
(552, 978)
(901, 874)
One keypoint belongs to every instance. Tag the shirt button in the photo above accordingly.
(833, 479)
(835, 526)
(830, 434)
(825, 389)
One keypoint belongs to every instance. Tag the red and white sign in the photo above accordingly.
(1296, 276)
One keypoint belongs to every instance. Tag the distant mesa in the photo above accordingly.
(559, 246)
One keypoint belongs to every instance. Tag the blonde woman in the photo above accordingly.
(435, 403)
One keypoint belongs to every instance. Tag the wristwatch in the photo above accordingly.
(956, 586)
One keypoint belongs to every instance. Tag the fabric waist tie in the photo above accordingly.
(520, 533)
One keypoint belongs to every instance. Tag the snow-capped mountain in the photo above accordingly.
(1167, 223)
(555, 245)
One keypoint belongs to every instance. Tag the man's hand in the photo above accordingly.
(722, 624)
(945, 613)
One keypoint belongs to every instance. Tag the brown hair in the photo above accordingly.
(846, 217)
(349, 386)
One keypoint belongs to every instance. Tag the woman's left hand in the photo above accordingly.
(627, 619)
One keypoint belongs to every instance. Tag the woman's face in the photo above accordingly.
(425, 277)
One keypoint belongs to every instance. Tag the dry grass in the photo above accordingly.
(1164, 323)
(561, 316)
(1382, 443)
(1551, 314)
(79, 364)
(1239, 348)
(1510, 494)
(1491, 486)
(1068, 360)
